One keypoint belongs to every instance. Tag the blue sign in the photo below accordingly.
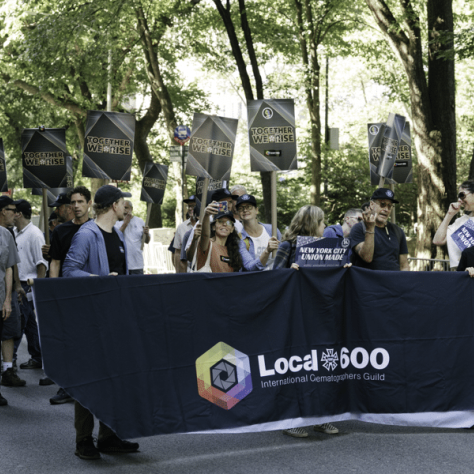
(322, 251)
(182, 134)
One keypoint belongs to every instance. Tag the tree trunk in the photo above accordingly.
(428, 106)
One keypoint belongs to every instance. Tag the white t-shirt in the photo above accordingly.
(133, 240)
(29, 241)
(453, 250)
(260, 244)
(180, 231)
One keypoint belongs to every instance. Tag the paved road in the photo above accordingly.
(37, 438)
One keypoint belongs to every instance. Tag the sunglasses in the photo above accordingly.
(384, 204)
(463, 194)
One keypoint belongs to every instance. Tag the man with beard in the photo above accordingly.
(376, 243)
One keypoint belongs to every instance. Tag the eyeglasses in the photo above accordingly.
(463, 194)
(226, 223)
(384, 204)
(10, 209)
(245, 208)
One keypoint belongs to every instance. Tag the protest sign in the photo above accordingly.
(272, 137)
(322, 251)
(108, 145)
(3, 169)
(154, 183)
(211, 148)
(310, 346)
(53, 193)
(213, 185)
(44, 158)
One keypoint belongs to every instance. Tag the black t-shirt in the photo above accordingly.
(387, 247)
(115, 252)
(61, 239)
(467, 259)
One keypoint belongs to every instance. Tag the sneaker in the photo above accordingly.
(296, 432)
(11, 379)
(31, 364)
(46, 381)
(86, 449)
(3, 401)
(326, 428)
(113, 444)
(60, 397)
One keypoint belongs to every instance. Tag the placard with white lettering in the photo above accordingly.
(108, 145)
(321, 251)
(3, 170)
(213, 185)
(403, 167)
(211, 147)
(272, 136)
(53, 193)
(154, 183)
(44, 155)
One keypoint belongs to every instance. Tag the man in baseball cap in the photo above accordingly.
(63, 207)
(376, 243)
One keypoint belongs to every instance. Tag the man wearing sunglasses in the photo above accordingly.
(338, 231)
(376, 243)
(458, 234)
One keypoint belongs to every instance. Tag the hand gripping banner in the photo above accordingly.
(44, 157)
(272, 136)
(211, 147)
(108, 145)
(263, 350)
(154, 183)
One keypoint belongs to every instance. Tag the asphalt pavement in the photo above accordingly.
(37, 438)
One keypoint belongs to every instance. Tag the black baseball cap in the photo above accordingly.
(220, 215)
(60, 200)
(222, 193)
(5, 201)
(246, 199)
(52, 217)
(22, 205)
(192, 198)
(384, 193)
(107, 195)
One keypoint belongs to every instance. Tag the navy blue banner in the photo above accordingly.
(322, 251)
(256, 351)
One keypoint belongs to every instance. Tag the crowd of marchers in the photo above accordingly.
(227, 236)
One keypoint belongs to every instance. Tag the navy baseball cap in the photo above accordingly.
(246, 199)
(192, 198)
(5, 201)
(220, 215)
(384, 193)
(108, 194)
(222, 193)
(60, 200)
(22, 205)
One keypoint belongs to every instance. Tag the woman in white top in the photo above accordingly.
(446, 234)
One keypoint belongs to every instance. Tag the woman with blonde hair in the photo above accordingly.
(308, 221)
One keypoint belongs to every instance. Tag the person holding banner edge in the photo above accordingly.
(446, 233)
(308, 221)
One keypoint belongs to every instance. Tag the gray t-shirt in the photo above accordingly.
(8, 258)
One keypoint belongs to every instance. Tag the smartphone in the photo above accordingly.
(223, 206)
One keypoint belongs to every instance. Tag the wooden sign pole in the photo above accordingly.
(274, 206)
(148, 214)
(45, 215)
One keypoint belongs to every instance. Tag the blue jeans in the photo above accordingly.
(30, 328)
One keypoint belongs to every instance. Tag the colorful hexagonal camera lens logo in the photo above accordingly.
(223, 375)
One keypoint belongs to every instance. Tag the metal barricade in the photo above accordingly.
(428, 265)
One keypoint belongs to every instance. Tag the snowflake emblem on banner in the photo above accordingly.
(106, 149)
(330, 359)
(42, 162)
